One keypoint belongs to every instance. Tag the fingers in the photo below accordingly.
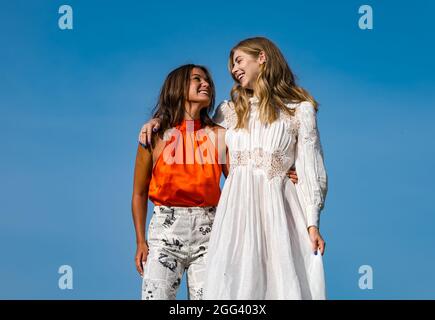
(149, 134)
(318, 245)
(142, 139)
(293, 176)
(322, 245)
(139, 266)
(140, 262)
(314, 245)
(142, 136)
(317, 242)
(156, 126)
(141, 258)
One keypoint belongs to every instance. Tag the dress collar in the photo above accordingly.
(253, 100)
(196, 124)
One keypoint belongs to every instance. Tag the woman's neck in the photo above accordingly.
(192, 111)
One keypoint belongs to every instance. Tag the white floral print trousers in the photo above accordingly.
(177, 241)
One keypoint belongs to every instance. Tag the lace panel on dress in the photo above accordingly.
(292, 123)
(274, 164)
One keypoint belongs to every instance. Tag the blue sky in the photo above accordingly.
(72, 102)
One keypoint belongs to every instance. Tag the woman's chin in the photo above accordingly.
(246, 86)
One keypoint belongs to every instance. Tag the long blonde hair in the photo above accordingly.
(275, 85)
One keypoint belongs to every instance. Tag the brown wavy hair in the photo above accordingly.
(174, 94)
(275, 85)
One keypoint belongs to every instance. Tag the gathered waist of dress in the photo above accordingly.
(273, 164)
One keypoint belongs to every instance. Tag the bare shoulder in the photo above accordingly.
(217, 128)
(217, 134)
(158, 145)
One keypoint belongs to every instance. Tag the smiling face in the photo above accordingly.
(246, 68)
(199, 88)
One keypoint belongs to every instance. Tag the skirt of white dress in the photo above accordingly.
(259, 247)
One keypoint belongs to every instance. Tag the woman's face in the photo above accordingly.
(246, 68)
(199, 88)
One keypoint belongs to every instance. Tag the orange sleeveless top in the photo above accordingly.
(187, 172)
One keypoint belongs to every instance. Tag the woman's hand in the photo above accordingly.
(316, 240)
(141, 257)
(292, 175)
(147, 131)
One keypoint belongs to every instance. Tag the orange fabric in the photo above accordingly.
(186, 174)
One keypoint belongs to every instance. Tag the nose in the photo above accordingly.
(205, 84)
(233, 71)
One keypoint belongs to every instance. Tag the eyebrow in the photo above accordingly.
(196, 74)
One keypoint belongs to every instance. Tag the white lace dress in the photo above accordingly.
(259, 246)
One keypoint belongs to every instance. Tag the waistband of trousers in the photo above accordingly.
(184, 210)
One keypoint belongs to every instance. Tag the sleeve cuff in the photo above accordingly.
(313, 216)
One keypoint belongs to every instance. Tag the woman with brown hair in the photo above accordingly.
(180, 173)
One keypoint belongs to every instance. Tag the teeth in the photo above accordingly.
(240, 76)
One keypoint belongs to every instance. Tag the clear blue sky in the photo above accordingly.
(72, 102)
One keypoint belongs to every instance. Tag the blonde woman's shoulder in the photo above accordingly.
(300, 105)
(304, 109)
(226, 105)
(225, 114)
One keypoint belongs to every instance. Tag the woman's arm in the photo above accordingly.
(139, 202)
(312, 185)
(310, 165)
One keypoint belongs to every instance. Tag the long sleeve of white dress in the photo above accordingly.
(312, 183)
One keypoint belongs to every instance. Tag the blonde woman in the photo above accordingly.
(265, 239)
(264, 245)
